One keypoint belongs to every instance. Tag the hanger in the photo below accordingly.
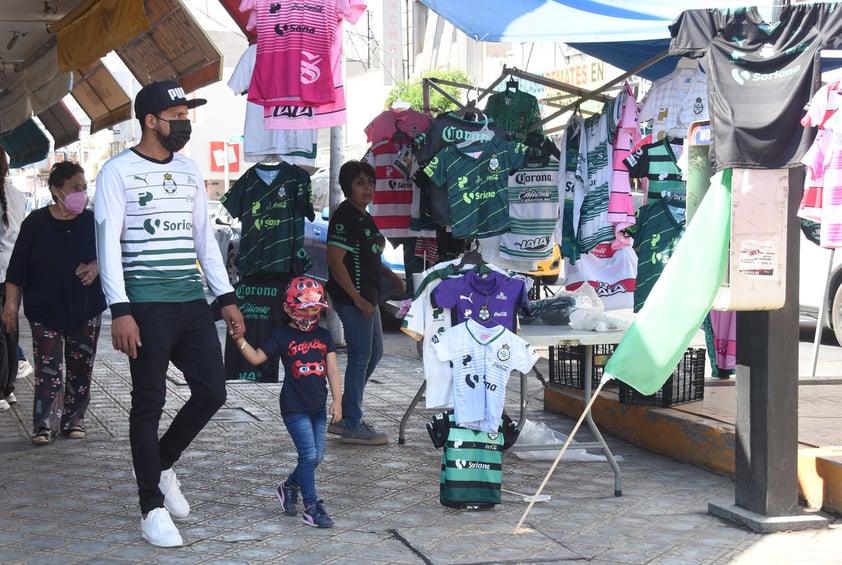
(472, 256)
(512, 86)
(469, 111)
(400, 104)
(480, 136)
(549, 147)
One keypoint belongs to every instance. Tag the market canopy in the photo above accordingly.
(623, 34)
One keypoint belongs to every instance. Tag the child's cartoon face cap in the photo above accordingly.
(304, 292)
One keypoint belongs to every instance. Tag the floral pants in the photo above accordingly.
(60, 403)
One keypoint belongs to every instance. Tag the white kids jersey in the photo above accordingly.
(424, 322)
(427, 324)
(482, 360)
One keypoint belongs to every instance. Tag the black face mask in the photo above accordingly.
(180, 131)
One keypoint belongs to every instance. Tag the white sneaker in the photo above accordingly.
(24, 368)
(4, 405)
(158, 529)
(11, 398)
(174, 501)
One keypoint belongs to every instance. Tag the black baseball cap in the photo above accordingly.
(157, 96)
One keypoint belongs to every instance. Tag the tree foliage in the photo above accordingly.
(413, 92)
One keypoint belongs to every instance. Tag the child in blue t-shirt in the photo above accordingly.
(309, 357)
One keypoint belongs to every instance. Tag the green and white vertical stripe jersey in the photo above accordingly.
(152, 227)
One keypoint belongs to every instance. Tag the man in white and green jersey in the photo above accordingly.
(152, 226)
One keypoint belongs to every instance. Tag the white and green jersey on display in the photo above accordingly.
(533, 213)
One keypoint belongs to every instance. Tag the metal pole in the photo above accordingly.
(226, 177)
(337, 144)
(820, 318)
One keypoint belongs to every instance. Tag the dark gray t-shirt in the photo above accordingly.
(760, 77)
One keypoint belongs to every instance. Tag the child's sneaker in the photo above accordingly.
(288, 497)
(316, 516)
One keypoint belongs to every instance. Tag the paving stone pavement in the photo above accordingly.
(74, 502)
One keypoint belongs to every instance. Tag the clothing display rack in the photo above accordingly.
(581, 94)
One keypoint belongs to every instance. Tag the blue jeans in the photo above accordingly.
(183, 332)
(364, 337)
(308, 435)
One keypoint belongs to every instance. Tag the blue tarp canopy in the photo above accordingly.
(623, 34)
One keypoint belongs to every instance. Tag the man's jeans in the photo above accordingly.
(364, 338)
(308, 435)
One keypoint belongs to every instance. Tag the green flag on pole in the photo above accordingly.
(682, 297)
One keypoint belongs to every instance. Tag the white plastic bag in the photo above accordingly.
(538, 433)
(587, 310)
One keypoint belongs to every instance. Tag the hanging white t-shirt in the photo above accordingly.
(675, 101)
(482, 360)
(295, 146)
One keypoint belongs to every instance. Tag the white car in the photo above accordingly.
(226, 231)
(813, 272)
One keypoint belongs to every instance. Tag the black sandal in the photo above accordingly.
(43, 437)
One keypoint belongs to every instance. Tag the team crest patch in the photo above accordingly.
(698, 106)
(169, 184)
(493, 163)
(282, 193)
(767, 51)
(503, 354)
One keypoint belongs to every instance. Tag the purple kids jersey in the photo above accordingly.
(491, 299)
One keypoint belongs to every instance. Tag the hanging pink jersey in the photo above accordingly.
(409, 123)
(295, 44)
(620, 203)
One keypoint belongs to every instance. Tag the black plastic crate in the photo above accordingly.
(687, 383)
(567, 367)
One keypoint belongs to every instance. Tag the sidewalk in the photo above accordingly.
(75, 501)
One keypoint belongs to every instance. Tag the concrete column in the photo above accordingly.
(766, 482)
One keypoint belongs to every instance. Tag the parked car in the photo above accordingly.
(812, 275)
(226, 231)
(315, 235)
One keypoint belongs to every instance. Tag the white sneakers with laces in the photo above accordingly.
(4, 405)
(174, 501)
(158, 529)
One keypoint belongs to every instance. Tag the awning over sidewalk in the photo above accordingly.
(97, 92)
(623, 36)
(25, 144)
(174, 48)
(96, 27)
(61, 124)
(166, 44)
